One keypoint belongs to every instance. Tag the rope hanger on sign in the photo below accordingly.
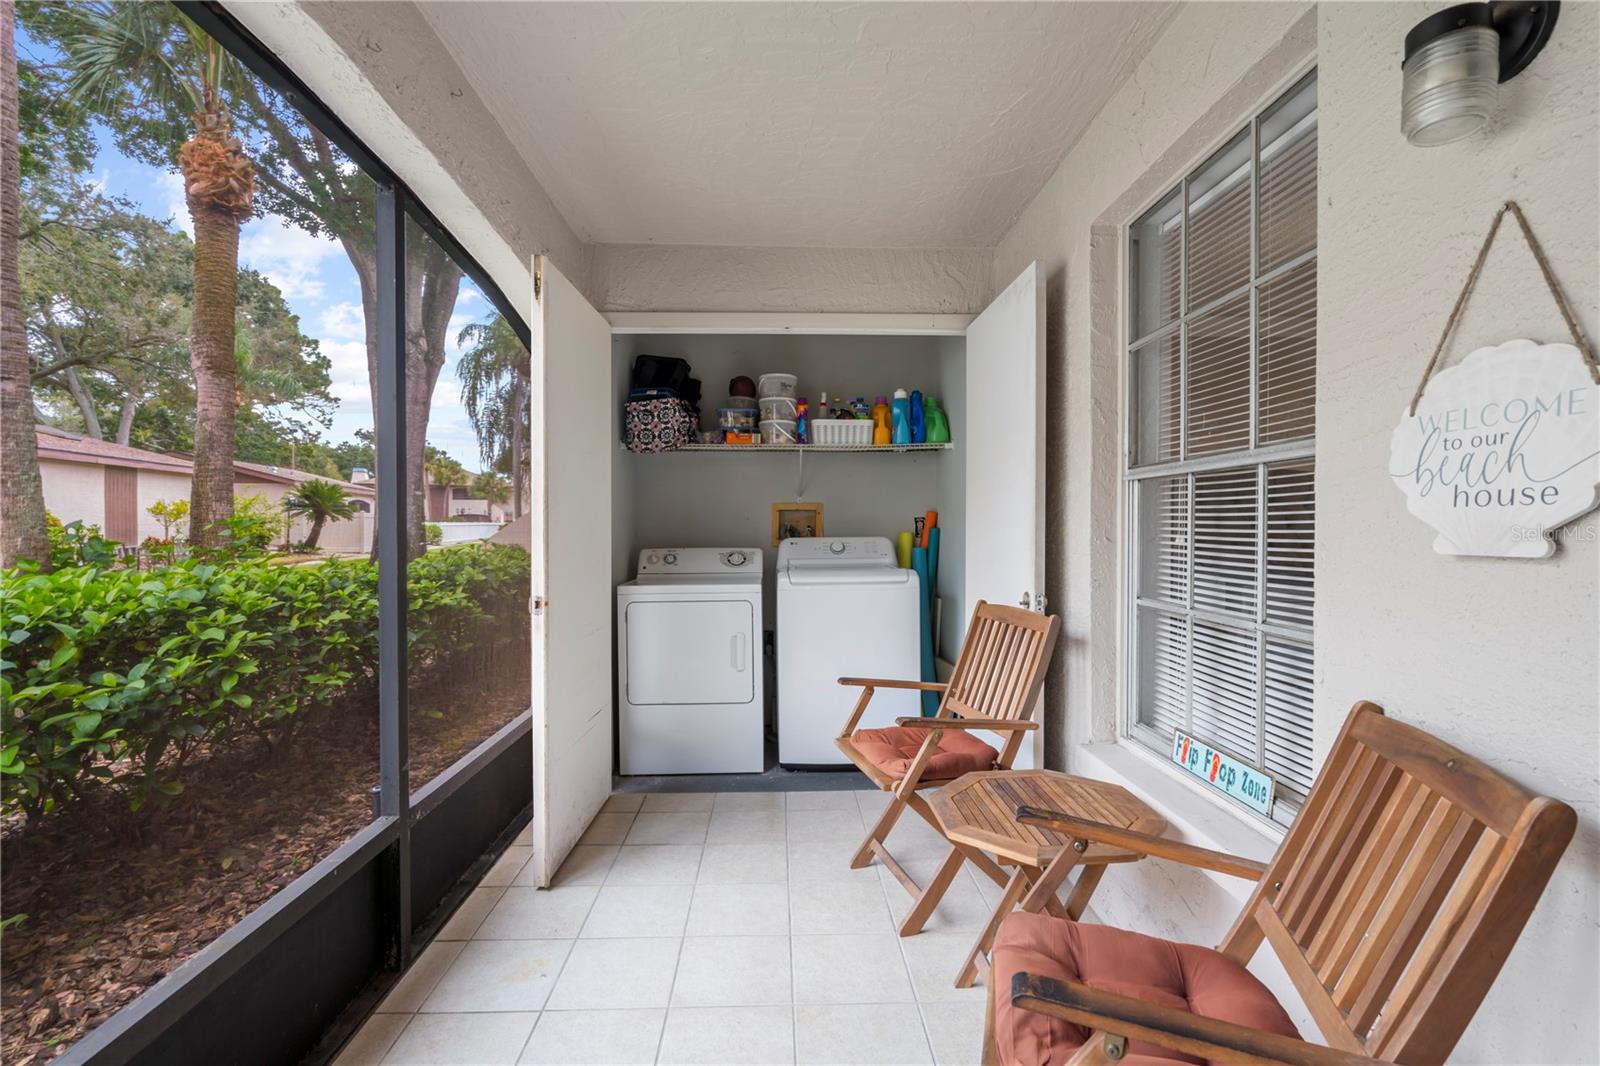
(1584, 350)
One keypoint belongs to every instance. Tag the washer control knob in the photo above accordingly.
(837, 547)
(671, 558)
(736, 558)
(652, 558)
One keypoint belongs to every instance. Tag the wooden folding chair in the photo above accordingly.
(1392, 903)
(994, 687)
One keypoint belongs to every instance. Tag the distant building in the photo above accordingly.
(458, 501)
(112, 486)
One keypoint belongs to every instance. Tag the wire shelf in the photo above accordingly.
(810, 449)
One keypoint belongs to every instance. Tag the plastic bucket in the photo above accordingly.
(772, 385)
(778, 431)
(779, 409)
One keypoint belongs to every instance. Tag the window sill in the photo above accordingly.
(1192, 816)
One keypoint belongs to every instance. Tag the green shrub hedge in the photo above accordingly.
(112, 680)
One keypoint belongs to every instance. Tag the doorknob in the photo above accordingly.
(1026, 603)
(539, 604)
(1029, 603)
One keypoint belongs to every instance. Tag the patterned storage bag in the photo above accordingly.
(658, 425)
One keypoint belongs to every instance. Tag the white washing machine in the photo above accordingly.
(845, 609)
(689, 663)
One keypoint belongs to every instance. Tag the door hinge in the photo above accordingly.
(538, 604)
(538, 282)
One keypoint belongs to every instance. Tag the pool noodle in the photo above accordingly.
(902, 549)
(919, 563)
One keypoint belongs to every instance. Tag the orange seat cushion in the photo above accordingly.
(894, 749)
(1185, 976)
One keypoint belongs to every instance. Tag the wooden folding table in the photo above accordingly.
(977, 814)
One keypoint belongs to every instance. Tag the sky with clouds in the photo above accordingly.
(320, 286)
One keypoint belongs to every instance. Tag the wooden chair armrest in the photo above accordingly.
(1122, 1016)
(999, 725)
(1144, 843)
(884, 682)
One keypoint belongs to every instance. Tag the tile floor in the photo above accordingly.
(720, 928)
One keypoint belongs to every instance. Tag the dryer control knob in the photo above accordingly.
(652, 558)
(736, 558)
(671, 558)
(837, 547)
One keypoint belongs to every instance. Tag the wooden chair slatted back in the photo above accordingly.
(1401, 887)
(1002, 663)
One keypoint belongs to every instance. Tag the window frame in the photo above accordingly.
(1146, 740)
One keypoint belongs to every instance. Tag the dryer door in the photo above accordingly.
(690, 651)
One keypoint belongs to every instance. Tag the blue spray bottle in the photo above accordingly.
(919, 430)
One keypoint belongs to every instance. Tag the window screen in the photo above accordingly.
(1221, 459)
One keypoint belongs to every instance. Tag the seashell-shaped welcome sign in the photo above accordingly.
(1504, 448)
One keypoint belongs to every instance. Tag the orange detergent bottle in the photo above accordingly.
(880, 422)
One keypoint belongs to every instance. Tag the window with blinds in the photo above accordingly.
(1222, 350)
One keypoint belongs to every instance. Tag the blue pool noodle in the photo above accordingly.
(919, 563)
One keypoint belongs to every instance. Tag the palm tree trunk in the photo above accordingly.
(216, 371)
(316, 532)
(518, 398)
(22, 534)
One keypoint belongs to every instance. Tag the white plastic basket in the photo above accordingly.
(841, 431)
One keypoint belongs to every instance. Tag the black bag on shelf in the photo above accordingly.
(660, 372)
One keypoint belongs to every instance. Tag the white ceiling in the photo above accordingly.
(794, 124)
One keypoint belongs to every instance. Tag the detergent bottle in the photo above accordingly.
(900, 415)
(882, 426)
(802, 421)
(938, 422)
(919, 429)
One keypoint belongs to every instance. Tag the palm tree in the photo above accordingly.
(320, 501)
(22, 534)
(154, 54)
(490, 486)
(440, 469)
(494, 372)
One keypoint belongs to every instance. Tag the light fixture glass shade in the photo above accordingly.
(1450, 86)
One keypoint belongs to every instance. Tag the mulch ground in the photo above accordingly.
(116, 901)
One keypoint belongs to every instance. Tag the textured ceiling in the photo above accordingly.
(794, 124)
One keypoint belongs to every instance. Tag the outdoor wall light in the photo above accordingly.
(1456, 59)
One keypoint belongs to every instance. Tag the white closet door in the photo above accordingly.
(571, 461)
(1005, 455)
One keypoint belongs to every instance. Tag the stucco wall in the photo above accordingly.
(383, 70)
(1499, 657)
(74, 491)
(647, 277)
(153, 486)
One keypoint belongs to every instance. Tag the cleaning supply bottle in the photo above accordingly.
(938, 423)
(802, 421)
(919, 430)
(822, 408)
(900, 414)
(882, 428)
(861, 408)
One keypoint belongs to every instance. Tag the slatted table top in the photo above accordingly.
(978, 810)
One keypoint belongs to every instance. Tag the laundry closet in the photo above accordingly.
(683, 539)
(723, 494)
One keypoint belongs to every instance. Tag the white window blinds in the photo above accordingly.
(1222, 381)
